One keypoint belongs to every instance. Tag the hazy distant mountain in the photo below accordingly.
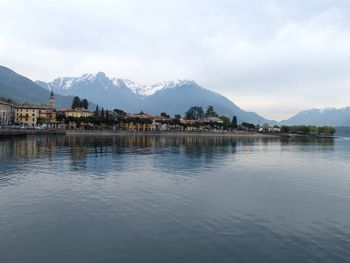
(173, 97)
(21, 89)
(328, 116)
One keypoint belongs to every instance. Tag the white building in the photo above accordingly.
(6, 113)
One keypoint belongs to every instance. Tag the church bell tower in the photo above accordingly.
(52, 101)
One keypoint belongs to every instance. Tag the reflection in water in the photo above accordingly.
(82, 146)
(174, 199)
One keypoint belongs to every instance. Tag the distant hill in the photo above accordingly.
(172, 97)
(21, 89)
(329, 116)
(343, 131)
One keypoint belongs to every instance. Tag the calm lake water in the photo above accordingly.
(174, 199)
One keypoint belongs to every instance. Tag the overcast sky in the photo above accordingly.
(272, 57)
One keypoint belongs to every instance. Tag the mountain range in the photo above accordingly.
(23, 90)
(172, 97)
(318, 117)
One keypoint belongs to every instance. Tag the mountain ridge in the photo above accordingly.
(326, 116)
(173, 97)
(23, 90)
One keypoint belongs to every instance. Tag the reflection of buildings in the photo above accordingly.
(6, 113)
(27, 147)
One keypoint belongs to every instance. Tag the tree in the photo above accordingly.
(107, 114)
(226, 121)
(60, 116)
(102, 112)
(177, 116)
(326, 130)
(248, 126)
(194, 113)
(210, 112)
(284, 129)
(119, 113)
(76, 102)
(164, 115)
(85, 104)
(234, 122)
(141, 112)
(41, 121)
(96, 111)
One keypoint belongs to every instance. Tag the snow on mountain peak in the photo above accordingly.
(66, 83)
(147, 90)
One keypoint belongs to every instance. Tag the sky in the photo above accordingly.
(273, 57)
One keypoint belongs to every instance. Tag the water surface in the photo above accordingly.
(174, 199)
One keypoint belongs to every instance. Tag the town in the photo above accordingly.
(78, 117)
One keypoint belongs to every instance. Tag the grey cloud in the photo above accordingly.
(282, 51)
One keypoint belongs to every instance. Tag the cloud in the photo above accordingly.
(273, 57)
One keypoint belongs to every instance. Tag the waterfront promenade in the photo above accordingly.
(23, 132)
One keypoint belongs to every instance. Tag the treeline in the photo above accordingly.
(197, 117)
(308, 130)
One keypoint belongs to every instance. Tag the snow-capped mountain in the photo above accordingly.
(23, 90)
(95, 87)
(173, 97)
(70, 84)
(327, 116)
(147, 90)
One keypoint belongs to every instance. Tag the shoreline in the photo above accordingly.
(145, 133)
(5, 133)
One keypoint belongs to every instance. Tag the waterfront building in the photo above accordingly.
(31, 115)
(140, 122)
(76, 113)
(6, 113)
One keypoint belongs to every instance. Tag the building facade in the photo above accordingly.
(76, 113)
(30, 115)
(6, 113)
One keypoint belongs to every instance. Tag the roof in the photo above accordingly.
(6, 103)
(73, 110)
(144, 116)
(23, 106)
(213, 119)
(188, 121)
(147, 116)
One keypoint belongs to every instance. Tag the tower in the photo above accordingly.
(52, 101)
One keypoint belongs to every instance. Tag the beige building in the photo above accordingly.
(76, 113)
(6, 113)
(30, 115)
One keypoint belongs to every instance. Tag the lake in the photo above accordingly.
(174, 199)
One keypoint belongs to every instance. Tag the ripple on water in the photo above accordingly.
(159, 199)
